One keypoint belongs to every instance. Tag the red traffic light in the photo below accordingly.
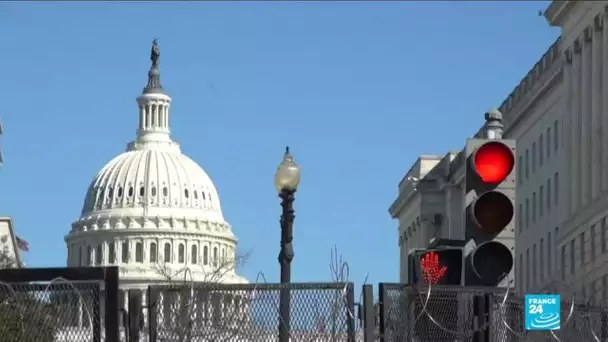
(493, 162)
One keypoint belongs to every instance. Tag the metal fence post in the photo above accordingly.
(481, 312)
(369, 314)
(350, 312)
(604, 320)
(134, 315)
(153, 297)
(111, 305)
(383, 312)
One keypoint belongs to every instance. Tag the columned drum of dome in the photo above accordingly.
(153, 211)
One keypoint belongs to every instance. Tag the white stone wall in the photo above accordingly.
(582, 238)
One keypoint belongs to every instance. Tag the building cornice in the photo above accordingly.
(146, 234)
(557, 11)
(519, 112)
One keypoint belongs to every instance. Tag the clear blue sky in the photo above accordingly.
(357, 90)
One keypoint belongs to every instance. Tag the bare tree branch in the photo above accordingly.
(189, 325)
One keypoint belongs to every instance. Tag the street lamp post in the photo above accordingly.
(286, 181)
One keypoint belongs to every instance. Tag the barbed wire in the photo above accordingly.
(424, 295)
(17, 302)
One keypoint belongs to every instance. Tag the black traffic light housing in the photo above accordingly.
(439, 266)
(490, 195)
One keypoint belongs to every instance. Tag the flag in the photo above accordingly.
(22, 244)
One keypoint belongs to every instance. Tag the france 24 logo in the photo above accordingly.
(542, 312)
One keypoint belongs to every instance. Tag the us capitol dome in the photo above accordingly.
(153, 211)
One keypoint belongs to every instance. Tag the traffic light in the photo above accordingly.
(441, 266)
(490, 194)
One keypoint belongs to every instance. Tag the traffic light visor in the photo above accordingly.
(493, 162)
(492, 212)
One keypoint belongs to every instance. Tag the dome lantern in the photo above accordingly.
(153, 105)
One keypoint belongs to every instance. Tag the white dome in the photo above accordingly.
(153, 183)
(153, 211)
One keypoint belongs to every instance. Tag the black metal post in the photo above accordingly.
(134, 315)
(111, 298)
(285, 258)
(369, 314)
(481, 311)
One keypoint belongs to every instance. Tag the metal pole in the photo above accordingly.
(285, 258)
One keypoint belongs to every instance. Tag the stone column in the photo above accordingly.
(596, 110)
(149, 116)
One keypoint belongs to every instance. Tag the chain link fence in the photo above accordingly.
(58, 305)
(250, 312)
(53, 312)
(451, 313)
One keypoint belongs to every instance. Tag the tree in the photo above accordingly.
(24, 317)
(331, 312)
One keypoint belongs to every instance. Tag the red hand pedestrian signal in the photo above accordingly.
(432, 270)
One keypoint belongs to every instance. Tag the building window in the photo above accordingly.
(80, 261)
(549, 253)
(533, 157)
(556, 188)
(549, 195)
(527, 213)
(541, 257)
(520, 170)
(527, 269)
(534, 207)
(139, 252)
(527, 164)
(153, 252)
(605, 287)
(592, 240)
(89, 256)
(572, 251)
(541, 197)
(125, 252)
(98, 255)
(563, 266)
(604, 228)
(112, 253)
(541, 149)
(534, 260)
(193, 255)
(167, 252)
(582, 248)
(181, 253)
(521, 273)
(520, 217)
(555, 136)
(215, 256)
(205, 255)
(548, 142)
